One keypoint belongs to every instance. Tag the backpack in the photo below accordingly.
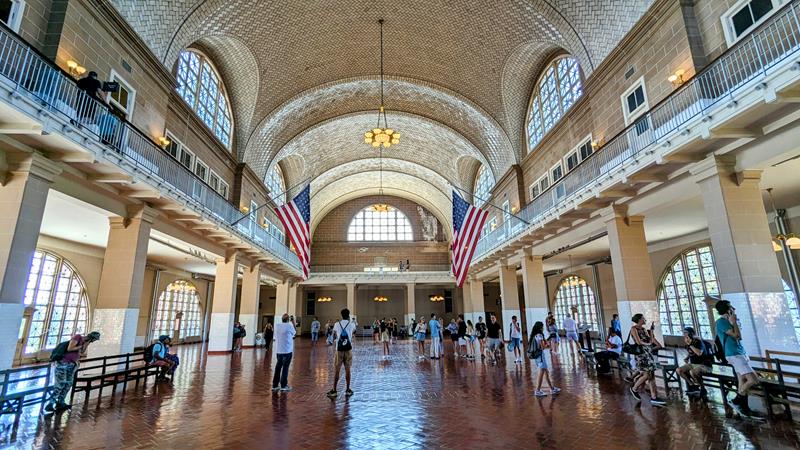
(148, 353)
(719, 351)
(58, 353)
(708, 352)
(534, 350)
(343, 344)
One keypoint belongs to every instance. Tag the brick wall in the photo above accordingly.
(330, 246)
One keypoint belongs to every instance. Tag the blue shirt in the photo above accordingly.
(159, 351)
(616, 325)
(315, 326)
(434, 327)
(732, 346)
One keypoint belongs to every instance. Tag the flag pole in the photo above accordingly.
(486, 202)
(271, 197)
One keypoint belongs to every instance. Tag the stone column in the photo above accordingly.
(509, 294)
(117, 312)
(23, 196)
(411, 303)
(535, 290)
(747, 269)
(282, 294)
(248, 310)
(223, 308)
(473, 301)
(633, 273)
(351, 299)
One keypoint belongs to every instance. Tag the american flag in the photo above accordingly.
(296, 219)
(467, 225)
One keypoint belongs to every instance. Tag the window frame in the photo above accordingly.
(545, 178)
(632, 116)
(536, 106)
(573, 152)
(369, 225)
(587, 141)
(116, 77)
(224, 189)
(533, 190)
(199, 162)
(486, 184)
(728, 27)
(587, 301)
(553, 179)
(167, 302)
(16, 13)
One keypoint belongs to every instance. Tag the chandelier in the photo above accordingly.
(382, 136)
(380, 299)
(783, 238)
(436, 298)
(381, 207)
(324, 299)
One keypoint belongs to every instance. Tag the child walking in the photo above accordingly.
(542, 359)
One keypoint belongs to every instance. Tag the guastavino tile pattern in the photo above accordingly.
(225, 402)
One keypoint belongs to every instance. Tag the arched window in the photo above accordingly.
(58, 295)
(274, 182)
(793, 308)
(556, 91)
(201, 88)
(179, 297)
(379, 223)
(690, 277)
(576, 298)
(484, 182)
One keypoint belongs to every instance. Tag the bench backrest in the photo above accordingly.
(24, 380)
(110, 363)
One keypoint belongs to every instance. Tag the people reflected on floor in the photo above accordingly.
(541, 357)
(343, 332)
(285, 332)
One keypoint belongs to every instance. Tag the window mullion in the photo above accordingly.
(557, 76)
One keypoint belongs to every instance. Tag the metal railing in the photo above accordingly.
(749, 59)
(370, 269)
(35, 75)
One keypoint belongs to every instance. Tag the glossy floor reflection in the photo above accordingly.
(225, 402)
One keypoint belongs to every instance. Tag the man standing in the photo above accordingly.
(343, 333)
(66, 357)
(314, 331)
(515, 339)
(730, 336)
(435, 328)
(571, 331)
(616, 325)
(284, 347)
(494, 333)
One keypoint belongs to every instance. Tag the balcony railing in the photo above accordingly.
(35, 76)
(751, 58)
(372, 269)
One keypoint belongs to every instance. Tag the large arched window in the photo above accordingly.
(58, 295)
(379, 223)
(179, 297)
(690, 277)
(274, 182)
(556, 91)
(201, 88)
(484, 182)
(576, 298)
(794, 308)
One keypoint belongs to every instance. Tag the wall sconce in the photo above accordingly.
(164, 141)
(598, 143)
(75, 68)
(677, 77)
(514, 209)
(244, 209)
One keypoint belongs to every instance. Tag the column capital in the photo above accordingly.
(144, 212)
(748, 176)
(613, 212)
(527, 254)
(714, 165)
(254, 267)
(34, 164)
(230, 256)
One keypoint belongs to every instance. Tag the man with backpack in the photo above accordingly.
(66, 356)
(157, 354)
(730, 337)
(699, 360)
(343, 333)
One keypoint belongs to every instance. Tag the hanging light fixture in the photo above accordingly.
(380, 299)
(791, 240)
(324, 299)
(384, 136)
(436, 298)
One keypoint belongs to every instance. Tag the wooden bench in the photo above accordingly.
(109, 371)
(667, 361)
(22, 387)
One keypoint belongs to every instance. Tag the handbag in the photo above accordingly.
(631, 349)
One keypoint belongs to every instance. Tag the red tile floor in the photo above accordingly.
(224, 401)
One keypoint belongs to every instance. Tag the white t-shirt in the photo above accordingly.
(315, 326)
(616, 341)
(515, 331)
(570, 326)
(341, 326)
(284, 337)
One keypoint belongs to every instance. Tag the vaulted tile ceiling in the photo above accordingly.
(303, 80)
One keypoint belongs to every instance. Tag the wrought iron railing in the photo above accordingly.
(372, 269)
(749, 59)
(34, 75)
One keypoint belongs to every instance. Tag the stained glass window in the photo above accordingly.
(793, 308)
(484, 182)
(556, 91)
(58, 295)
(682, 292)
(379, 223)
(576, 298)
(201, 88)
(179, 297)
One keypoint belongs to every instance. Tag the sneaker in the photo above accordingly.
(657, 401)
(332, 393)
(62, 407)
(49, 409)
(276, 388)
(348, 392)
(286, 389)
(635, 394)
(555, 390)
(629, 379)
(539, 393)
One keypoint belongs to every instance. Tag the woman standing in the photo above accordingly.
(645, 362)
(552, 332)
(470, 339)
(385, 333)
(376, 331)
(269, 333)
(452, 327)
(480, 331)
(542, 359)
(420, 335)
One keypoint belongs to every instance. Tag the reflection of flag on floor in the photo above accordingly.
(296, 219)
(467, 225)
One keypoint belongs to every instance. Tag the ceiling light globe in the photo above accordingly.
(387, 145)
(367, 140)
(389, 131)
(376, 144)
(368, 134)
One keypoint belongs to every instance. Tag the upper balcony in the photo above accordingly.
(733, 98)
(41, 101)
(378, 274)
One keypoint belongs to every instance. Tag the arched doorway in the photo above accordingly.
(178, 313)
